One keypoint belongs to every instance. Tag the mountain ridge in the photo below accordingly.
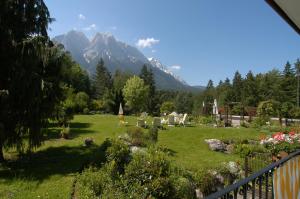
(117, 55)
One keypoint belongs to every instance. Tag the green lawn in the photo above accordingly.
(51, 170)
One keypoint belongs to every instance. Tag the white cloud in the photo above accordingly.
(81, 17)
(90, 27)
(147, 43)
(175, 67)
(153, 51)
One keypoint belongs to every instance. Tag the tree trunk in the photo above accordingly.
(1, 154)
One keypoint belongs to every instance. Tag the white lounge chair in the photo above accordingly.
(184, 120)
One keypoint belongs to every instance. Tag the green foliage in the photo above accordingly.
(184, 102)
(266, 109)
(258, 122)
(137, 136)
(97, 105)
(152, 134)
(102, 80)
(86, 111)
(167, 107)
(135, 93)
(81, 101)
(118, 153)
(120, 78)
(248, 149)
(151, 170)
(65, 132)
(148, 77)
(147, 175)
(205, 180)
(206, 120)
(238, 109)
(283, 146)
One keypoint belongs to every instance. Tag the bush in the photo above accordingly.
(205, 181)
(92, 182)
(249, 149)
(147, 175)
(118, 153)
(167, 107)
(206, 120)
(258, 122)
(152, 135)
(137, 137)
(184, 188)
(86, 111)
(152, 171)
(283, 146)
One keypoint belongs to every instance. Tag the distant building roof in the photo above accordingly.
(288, 10)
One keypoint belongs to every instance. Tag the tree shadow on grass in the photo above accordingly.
(77, 129)
(62, 160)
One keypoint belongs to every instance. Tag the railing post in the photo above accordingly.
(246, 167)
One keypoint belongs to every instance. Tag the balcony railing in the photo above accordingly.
(259, 184)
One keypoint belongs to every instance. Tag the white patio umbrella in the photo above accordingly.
(121, 110)
(215, 107)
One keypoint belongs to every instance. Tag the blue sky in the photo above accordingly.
(199, 40)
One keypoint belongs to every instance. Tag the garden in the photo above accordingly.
(116, 158)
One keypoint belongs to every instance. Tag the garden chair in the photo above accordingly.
(184, 120)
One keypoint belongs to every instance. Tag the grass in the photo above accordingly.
(50, 171)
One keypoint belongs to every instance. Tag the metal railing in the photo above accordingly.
(257, 185)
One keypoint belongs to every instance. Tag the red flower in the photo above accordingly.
(292, 133)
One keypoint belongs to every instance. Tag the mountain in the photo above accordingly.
(117, 55)
(156, 63)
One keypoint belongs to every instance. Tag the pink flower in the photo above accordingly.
(278, 136)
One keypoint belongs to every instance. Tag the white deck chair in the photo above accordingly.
(184, 120)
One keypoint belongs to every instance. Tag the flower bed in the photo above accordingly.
(281, 142)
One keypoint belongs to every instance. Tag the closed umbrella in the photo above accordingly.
(121, 109)
(215, 107)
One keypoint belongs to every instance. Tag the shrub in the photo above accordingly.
(167, 107)
(86, 111)
(220, 123)
(152, 135)
(206, 120)
(137, 137)
(151, 170)
(92, 182)
(258, 122)
(205, 181)
(183, 186)
(249, 149)
(118, 153)
(283, 146)
(147, 175)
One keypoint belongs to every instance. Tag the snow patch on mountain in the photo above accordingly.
(156, 63)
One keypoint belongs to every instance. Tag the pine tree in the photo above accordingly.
(30, 73)
(288, 84)
(102, 80)
(250, 91)
(237, 86)
(147, 76)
